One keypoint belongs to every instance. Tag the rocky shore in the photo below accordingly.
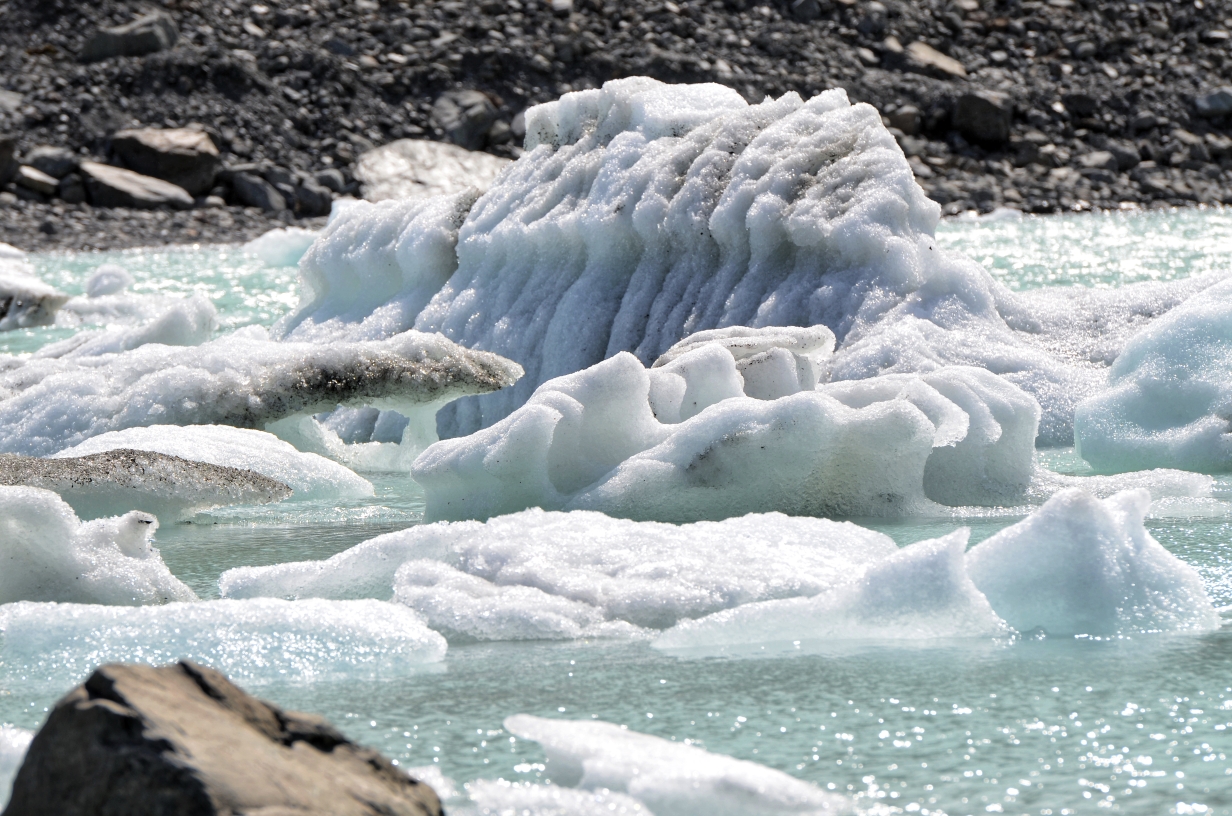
(1063, 105)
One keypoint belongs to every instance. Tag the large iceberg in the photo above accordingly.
(50, 555)
(243, 380)
(1169, 397)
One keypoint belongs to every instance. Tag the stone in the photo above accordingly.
(1126, 155)
(926, 59)
(312, 200)
(907, 119)
(415, 168)
(185, 157)
(465, 117)
(71, 189)
(145, 35)
(8, 147)
(984, 116)
(332, 179)
(806, 10)
(108, 186)
(1215, 103)
(253, 191)
(184, 739)
(56, 162)
(1099, 159)
(35, 180)
(1082, 105)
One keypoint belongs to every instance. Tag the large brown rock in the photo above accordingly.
(185, 157)
(182, 740)
(116, 187)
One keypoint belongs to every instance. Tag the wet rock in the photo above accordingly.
(410, 168)
(465, 117)
(184, 739)
(984, 116)
(253, 191)
(1214, 104)
(108, 186)
(185, 157)
(56, 162)
(145, 35)
(35, 180)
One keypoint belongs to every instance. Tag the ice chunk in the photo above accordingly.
(281, 247)
(13, 744)
(49, 555)
(1169, 397)
(501, 797)
(310, 476)
(252, 642)
(242, 379)
(670, 778)
(921, 592)
(188, 322)
(1081, 565)
(108, 279)
(646, 573)
(25, 301)
(116, 480)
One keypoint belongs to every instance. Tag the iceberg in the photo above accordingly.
(1168, 401)
(252, 642)
(669, 778)
(50, 555)
(13, 745)
(556, 574)
(116, 480)
(308, 475)
(242, 380)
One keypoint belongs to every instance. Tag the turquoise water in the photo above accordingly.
(1051, 726)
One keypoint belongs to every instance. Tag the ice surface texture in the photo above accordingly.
(1077, 566)
(669, 778)
(251, 642)
(13, 744)
(536, 574)
(243, 380)
(310, 476)
(50, 555)
(1169, 397)
(704, 435)
(117, 479)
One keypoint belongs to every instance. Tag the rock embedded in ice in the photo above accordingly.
(584, 568)
(670, 778)
(1081, 565)
(920, 593)
(416, 168)
(50, 555)
(13, 744)
(184, 739)
(263, 640)
(1168, 402)
(187, 322)
(105, 481)
(309, 475)
(241, 379)
(25, 301)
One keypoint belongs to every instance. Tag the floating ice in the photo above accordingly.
(1169, 398)
(584, 567)
(252, 642)
(49, 555)
(669, 778)
(921, 592)
(25, 301)
(682, 441)
(108, 279)
(310, 476)
(501, 797)
(1081, 565)
(188, 322)
(242, 379)
(116, 480)
(281, 247)
(13, 744)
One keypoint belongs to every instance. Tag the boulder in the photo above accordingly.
(1215, 103)
(984, 116)
(253, 191)
(35, 180)
(184, 739)
(109, 186)
(183, 156)
(71, 189)
(145, 35)
(414, 168)
(56, 162)
(465, 116)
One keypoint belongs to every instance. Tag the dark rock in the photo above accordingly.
(1215, 104)
(182, 739)
(465, 117)
(806, 10)
(72, 190)
(907, 119)
(1126, 155)
(56, 162)
(1081, 105)
(145, 35)
(254, 191)
(185, 157)
(984, 116)
(312, 199)
(109, 186)
(332, 180)
(35, 180)
(8, 166)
